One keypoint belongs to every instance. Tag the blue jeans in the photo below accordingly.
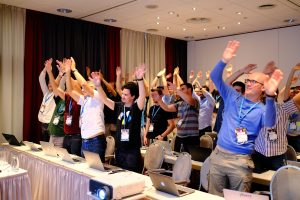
(96, 144)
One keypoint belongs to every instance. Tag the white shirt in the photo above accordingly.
(91, 115)
(206, 109)
(47, 108)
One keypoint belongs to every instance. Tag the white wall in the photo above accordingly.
(281, 45)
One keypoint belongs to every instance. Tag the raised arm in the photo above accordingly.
(246, 70)
(139, 75)
(191, 76)
(187, 98)
(56, 90)
(96, 78)
(107, 85)
(168, 108)
(73, 93)
(289, 82)
(42, 81)
(118, 80)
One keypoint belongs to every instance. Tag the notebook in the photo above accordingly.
(232, 194)
(93, 160)
(32, 146)
(65, 156)
(48, 148)
(12, 140)
(166, 184)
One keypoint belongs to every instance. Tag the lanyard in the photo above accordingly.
(154, 113)
(240, 112)
(48, 97)
(60, 108)
(70, 105)
(82, 107)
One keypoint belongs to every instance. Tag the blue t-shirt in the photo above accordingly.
(240, 112)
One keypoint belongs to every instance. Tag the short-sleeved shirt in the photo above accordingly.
(131, 120)
(47, 108)
(187, 125)
(72, 109)
(159, 118)
(57, 129)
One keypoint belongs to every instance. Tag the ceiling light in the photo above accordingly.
(110, 20)
(64, 10)
(266, 6)
(194, 9)
(223, 27)
(239, 13)
(239, 23)
(167, 27)
(184, 29)
(157, 17)
(157, 23)
(289, 21)
(171, 12)
(152, 30)
(204, 29)
(151, 6)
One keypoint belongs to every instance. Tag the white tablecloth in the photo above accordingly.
(15, 185)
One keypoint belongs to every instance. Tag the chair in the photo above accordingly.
(154, 157)
(110, 149)
(204, 172)
(291, 153)
(206, 142)
(213, 135)
(285, 183)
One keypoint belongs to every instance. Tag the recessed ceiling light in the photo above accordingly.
(239, 13)
(152, 30)
(194, 9)
(290, 21)
(239, 23)
(64, 10)
(157, 23)
(184, 29)
(167, 27)
(157, 17)
(171, 12)
(204, 29)
(151, 6)
(266, 6)
(110, 20)
(223, 27)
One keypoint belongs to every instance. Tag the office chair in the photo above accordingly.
(291, 153)
(154, 158)
(204, 172)
(110, 149)
(206, 142)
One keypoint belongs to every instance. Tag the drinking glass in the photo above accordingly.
(14, 163)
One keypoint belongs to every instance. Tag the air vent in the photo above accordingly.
(64, 10)
(266, 6)
(189, 37)
(152, 30)
(289, 21)
(151, 6)
(110, 20)
(198, 20)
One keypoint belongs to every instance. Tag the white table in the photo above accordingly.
(262, 178)
(52, 179)
(14, 185)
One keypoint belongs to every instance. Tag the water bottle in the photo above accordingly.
(14, 162)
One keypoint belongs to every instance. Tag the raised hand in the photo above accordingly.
(207, 74)
(176, 71)
(67, 65)
(88, 71)
(140, 71)
(199, 75)
(161, 72)
(118, 71)
(73, 66)
(172, 86)
(60, 66)
(96, 78)
(297, 67)
(229, 68)
(230, 50)
(271, 83)
(48, 65)
(191, 74)
(269, 68)
(169, 76)
(247, 69)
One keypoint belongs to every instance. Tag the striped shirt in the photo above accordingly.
(269, 148)
(187, 125)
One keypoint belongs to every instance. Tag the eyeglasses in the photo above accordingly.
(252, 82)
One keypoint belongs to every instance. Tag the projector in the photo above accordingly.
(117, 185)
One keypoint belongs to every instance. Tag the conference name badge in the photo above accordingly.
(69, 120)
(241, 134)
(124, 135)
(56, 120)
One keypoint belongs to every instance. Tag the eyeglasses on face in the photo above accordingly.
(252, 82)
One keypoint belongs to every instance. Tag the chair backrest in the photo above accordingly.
(291, 153)
(213, 135)
(182, 168)
(154, 157)
(204, 174)
(285, 183)
(206, 142)
(110, 146)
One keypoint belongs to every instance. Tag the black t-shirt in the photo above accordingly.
(132, 121)
(159, 118)
(110, 117)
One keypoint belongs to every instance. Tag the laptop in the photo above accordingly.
(32, 146)
(166, 184)
(12, 140)
(93, 160)
(199, 153)
(48, 149)
(65, 156)
(232, 194)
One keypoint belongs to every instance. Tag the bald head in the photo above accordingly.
(255, 86)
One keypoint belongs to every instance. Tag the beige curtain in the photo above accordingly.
(12, 38)
(132, 51)
(155, 56)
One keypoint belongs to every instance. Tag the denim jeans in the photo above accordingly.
(96, 144)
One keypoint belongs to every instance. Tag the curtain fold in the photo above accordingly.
(113, 54)
(12, 26)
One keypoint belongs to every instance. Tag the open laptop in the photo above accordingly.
(93, 160)
(48, 149)
(12, 140)
(32, 146)
(166, 184)
(199, 153)
(65, 156)
(232, 194)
